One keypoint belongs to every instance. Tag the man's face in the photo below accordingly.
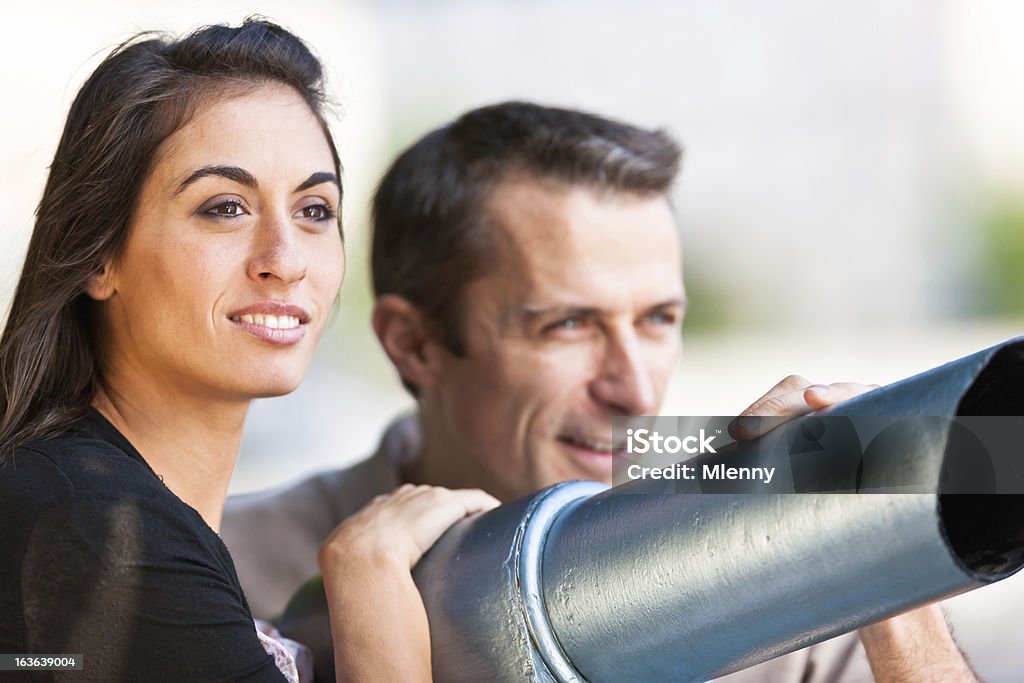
(578, 321)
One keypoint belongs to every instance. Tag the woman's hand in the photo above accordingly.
(400, 526)
(378, 622)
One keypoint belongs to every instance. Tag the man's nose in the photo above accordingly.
(276, 253)
(623, 382)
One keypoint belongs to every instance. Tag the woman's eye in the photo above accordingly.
(226, 210)
(317, 212)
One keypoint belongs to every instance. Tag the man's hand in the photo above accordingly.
(792, 397)
(914, 646)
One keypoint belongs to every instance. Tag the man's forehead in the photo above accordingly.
(558, 245)
(530, 213)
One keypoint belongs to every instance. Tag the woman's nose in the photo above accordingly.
(276, 252)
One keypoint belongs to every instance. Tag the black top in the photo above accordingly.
(99, 558)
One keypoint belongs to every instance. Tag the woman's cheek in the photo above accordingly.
(330, 268)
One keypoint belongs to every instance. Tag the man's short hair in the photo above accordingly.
(430, 233)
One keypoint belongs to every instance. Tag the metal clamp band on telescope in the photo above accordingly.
(529, 555)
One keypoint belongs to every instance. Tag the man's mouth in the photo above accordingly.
(599, 447)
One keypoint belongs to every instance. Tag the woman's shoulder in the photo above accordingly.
(83, 509)
(91, 483)
(78, 461)
(95, 534)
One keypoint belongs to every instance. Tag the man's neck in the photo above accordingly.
(191, 442)
(426, 467)
(440, 463)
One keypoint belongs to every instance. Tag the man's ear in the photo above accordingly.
(100, 285)
(408, 339)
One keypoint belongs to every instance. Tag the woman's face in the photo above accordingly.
(233, 259)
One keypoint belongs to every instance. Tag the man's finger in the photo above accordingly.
(768, 414)
(787, 385)
(824, 395)
(748, 424)
(776, 408)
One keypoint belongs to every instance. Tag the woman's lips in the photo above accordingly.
(273, 322)
(275, 335)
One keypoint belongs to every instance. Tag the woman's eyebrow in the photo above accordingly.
(316, 179)
(243, 177)
(239, 175)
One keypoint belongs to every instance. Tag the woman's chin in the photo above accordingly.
(274, 392)
(269, 386)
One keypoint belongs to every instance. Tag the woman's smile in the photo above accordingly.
(274, 322)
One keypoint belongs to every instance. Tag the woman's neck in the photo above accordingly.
(191, 443)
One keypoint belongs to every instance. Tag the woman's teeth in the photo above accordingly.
(274, 322)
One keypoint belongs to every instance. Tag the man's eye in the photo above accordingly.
(568, 324)
(661, 319)
(226, 210)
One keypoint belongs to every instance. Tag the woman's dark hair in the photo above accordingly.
(144, 91)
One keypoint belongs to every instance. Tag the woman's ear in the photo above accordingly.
(100, 285)
(408, 340)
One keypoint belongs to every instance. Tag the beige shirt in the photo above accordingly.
(274, 535)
